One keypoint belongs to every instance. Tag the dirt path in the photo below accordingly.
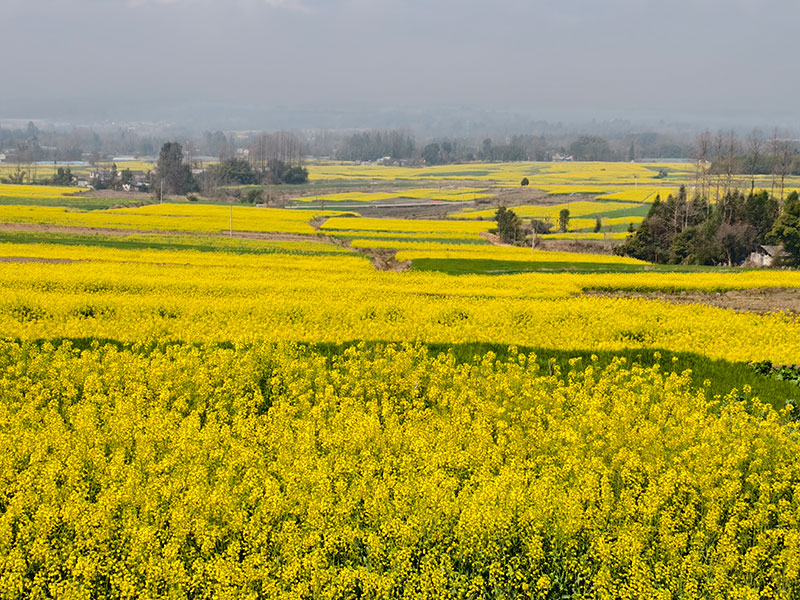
(762, 300)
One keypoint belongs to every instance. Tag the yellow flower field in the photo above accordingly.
(438, 236)
(185, 414)
(577, 224)
(510, 174)
(585, 235)
(646, 194)
(172, 217)
(406, 225)
(461, 194)
(576, 209)
(36, 191)
(197, 296)
(411, 250)
(280, 472)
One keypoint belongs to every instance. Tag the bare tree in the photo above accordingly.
(703, 148)
(271, 152)
(783, 150)
(755, 143)
(729, 163)
(773, 150)
(190, 151)
(719, 157)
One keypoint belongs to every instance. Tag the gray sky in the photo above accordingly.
(673, 57)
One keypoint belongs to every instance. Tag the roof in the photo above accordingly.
(774, 250)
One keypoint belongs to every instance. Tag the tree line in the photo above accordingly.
(279, 163)
(724, 161)
(722, 224)
(755, 153)
(684, 231)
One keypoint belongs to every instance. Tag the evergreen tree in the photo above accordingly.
(563, 219)
(787, 228)
(176, 175)
(509, 225)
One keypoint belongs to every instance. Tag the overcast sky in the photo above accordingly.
(717, 57)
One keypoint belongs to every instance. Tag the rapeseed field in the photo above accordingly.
(213, 402)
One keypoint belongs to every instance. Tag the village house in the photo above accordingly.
(766, 256)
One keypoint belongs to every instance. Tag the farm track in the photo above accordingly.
(760, 301)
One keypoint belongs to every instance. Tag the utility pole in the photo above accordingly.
(161, 196)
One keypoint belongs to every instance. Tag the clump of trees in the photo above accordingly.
(173, 171)
(372, 145)
(280, 172)
(433, 154)
(590, 147)
(238, 171)
(541, 227)
(787, 228)
(682, 231)
(511, 230)
(62, 177)
(233, 171)
(509, 226)
(501, 153)
(269, 158)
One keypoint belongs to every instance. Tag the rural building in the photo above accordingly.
(766, 256)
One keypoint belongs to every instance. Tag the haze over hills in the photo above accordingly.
(442, 68)
(183, 120)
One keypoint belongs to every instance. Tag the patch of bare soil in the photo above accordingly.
(385, 259)
(409, 209)
(762, 301)
(527, 195)
(492, 238)
(318, 222)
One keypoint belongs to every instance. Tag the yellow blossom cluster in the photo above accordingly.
(382, 472)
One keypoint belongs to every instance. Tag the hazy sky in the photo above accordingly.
(674, 57)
